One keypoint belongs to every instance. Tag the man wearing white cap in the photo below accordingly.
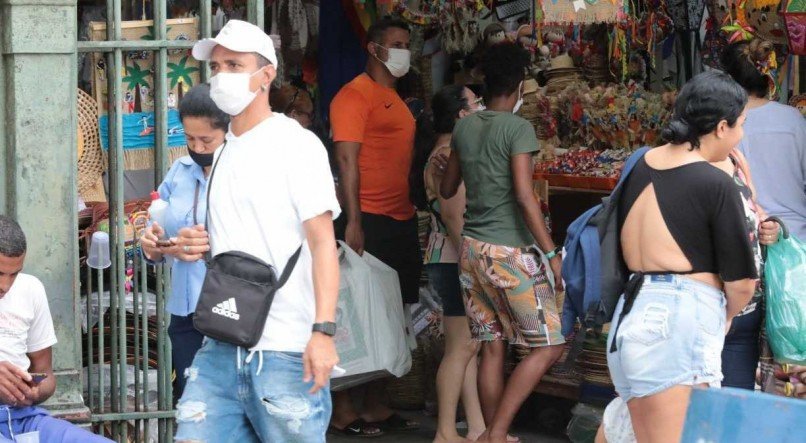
(271, 191)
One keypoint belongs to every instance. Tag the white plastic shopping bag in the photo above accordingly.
(371, 335)
(617, 423)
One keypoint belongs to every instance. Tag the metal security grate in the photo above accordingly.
(125, 328)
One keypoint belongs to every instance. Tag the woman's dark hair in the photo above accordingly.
(504, 68)
(446, 105)
(740, 60)
(445, 108)
(197, 103)
(704, 101)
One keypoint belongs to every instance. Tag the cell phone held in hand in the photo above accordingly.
(165, 243)
(38, 377)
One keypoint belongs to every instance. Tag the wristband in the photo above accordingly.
(554, 252)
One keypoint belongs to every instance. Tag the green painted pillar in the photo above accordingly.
(38, 155)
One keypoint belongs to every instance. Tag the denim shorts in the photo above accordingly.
(444, 277)
(236, 396)
(672, 336)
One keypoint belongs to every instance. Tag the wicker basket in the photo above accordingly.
(417, 388)
(90, 156)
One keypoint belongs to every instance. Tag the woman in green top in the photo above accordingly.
(504, 282)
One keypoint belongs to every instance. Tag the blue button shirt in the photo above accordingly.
(178, 189)
(775, 146)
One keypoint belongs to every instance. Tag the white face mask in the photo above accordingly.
(399, 61)
(519, 103)
(230, 91)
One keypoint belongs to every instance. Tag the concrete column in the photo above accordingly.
(38, 155)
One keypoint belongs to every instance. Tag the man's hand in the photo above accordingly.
(318, 361)
(354, 237)
(556, 264)
(32, 398)
(191, 243)
(149, 240)
(14, 388)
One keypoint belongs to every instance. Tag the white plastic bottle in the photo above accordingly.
(156, 212)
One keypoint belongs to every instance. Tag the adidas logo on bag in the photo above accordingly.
(227, 308)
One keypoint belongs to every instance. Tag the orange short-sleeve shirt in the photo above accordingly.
(375, 116)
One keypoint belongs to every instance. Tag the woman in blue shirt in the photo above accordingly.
(774, 145)
(185, 190)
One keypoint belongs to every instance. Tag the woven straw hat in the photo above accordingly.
(90, 156)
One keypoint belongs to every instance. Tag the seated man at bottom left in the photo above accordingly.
(26, 338)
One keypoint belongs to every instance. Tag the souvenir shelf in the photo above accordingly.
(586, 133)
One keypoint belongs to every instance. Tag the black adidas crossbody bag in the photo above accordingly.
(237, 292)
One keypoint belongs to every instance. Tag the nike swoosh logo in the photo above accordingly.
(354, 429)
(388, 106)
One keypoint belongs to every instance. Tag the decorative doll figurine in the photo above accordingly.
(524, 37)
(494, 33)
(799, 102)
(555, 40)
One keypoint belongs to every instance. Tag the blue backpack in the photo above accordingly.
(593, 269)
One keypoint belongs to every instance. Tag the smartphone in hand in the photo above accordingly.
(165, 243)
(38, 377)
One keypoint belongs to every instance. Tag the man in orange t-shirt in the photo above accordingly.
(373, 130)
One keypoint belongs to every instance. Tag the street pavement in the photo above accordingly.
(526, 432)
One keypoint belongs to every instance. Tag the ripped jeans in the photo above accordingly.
(232, 397)
(672, 336)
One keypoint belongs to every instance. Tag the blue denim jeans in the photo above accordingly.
(741, 352)
(673, 336)
(185, 341)
(236, 396)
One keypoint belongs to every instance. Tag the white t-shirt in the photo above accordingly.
(25, 322)
(267, 183)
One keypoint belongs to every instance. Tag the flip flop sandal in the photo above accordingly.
(357, 429)
(396, 423)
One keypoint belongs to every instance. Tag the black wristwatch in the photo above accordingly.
(328, 328)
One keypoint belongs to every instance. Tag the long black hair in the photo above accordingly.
(704, 101)
(445, 108)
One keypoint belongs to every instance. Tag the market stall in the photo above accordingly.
(601, 84)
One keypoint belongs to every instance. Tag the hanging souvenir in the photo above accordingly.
(426, 15)
(714, 40)
(292, 26)
(686, 14)
(651, 29)
(764, 17)
(726, 12)
(460, 28)
(581, 11)
(795, 18)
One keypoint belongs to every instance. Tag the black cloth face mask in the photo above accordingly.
(203, 160)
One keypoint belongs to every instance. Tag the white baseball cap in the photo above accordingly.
(238, 36)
